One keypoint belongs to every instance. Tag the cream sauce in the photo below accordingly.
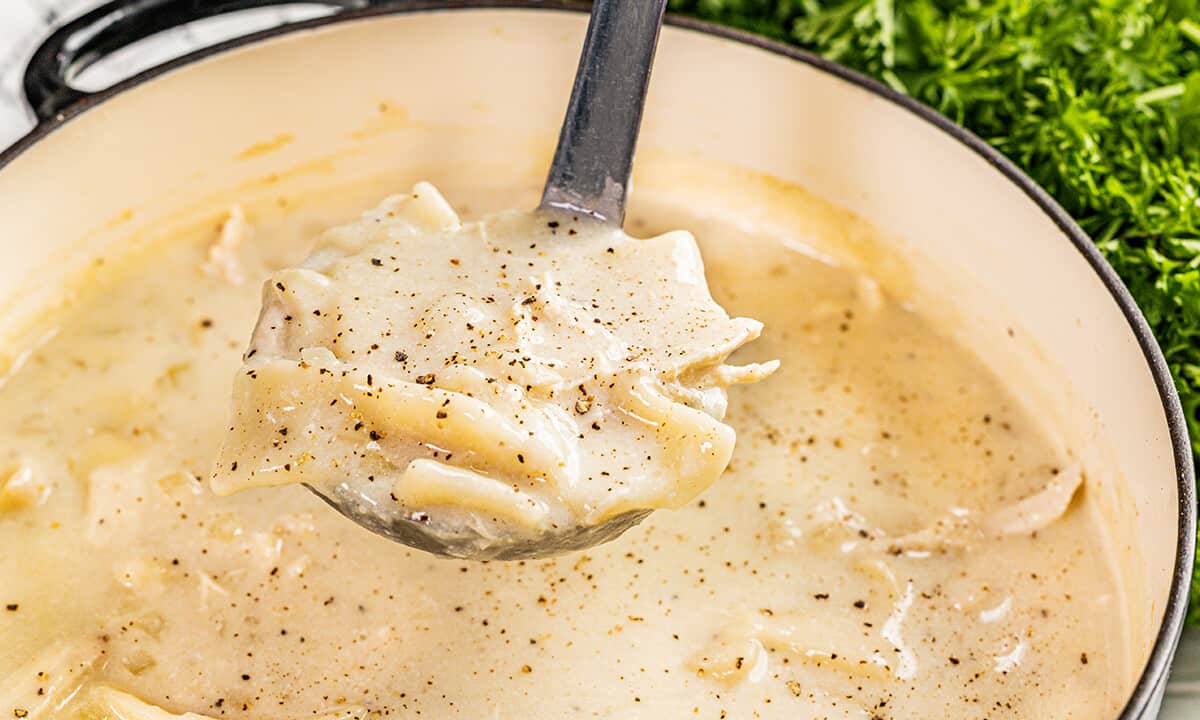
(886, 543)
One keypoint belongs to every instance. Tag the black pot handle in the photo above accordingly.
(112, 26)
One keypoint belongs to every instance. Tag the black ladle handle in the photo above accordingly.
(590, 170)
(90, 37)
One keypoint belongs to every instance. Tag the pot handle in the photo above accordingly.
(83, 41)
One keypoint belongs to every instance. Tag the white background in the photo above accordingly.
(23, 22)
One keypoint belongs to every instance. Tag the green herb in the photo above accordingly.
(1098, 100)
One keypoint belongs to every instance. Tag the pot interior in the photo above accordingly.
(455, 95)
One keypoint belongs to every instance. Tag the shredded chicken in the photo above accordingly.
(117, 705)
(223, 254)
(19, 487)
(959, 528)
(48, 681)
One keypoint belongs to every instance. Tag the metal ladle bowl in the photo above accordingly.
(588, 176)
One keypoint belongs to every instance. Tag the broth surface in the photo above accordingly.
(885, 544)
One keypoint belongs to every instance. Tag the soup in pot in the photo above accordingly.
(895, 536)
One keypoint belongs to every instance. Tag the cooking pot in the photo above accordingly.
(414, 87)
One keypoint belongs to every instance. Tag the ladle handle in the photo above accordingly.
(590, 171)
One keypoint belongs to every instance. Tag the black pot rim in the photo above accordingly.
(1157, 668)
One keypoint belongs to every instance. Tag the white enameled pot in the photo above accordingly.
(420, 86)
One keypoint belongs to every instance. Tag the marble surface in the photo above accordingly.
(23, 22)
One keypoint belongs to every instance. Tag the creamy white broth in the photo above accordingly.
(134, 584)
